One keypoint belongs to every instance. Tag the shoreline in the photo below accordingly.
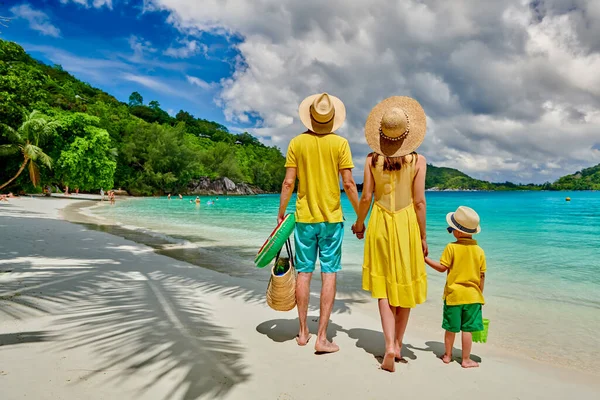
(196, 250)
(109, 294)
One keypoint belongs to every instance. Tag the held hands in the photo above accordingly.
(359, 230)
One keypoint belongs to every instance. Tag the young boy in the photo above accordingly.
(463, 295)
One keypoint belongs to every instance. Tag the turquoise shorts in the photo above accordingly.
(322, 239)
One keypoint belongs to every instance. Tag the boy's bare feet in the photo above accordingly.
(388, 362)
(446, 359)
(325, 346)
(468, 363)
(302, 339)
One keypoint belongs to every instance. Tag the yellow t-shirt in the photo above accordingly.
(319, 159)
(465, 261)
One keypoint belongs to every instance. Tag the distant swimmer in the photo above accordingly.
(180, 197)
(197, 200)
(217, 198)
(169, 196)
(210, 203)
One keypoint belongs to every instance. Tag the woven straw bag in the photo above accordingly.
(281, 291)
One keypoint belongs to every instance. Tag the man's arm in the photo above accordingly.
(287, 189)
(350, 188)
(435, 265)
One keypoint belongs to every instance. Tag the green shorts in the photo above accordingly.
(464, 317)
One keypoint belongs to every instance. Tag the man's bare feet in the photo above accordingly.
(468, 363)
(303, 339)
(325, 346)
(447, 359)
(388, 362)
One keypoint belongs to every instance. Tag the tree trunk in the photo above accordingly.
(17, 175)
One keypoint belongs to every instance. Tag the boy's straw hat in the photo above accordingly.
(322, 113)
(464, 220)
(396, 126)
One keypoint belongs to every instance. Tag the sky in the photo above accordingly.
(511, 88)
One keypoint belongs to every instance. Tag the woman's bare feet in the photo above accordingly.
(446, 359)
(302, 339)
(388, 362)
(325, 346)
(398, 354)
(468, 363)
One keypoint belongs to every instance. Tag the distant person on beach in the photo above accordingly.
(465, 263)
(101, 194)
(317, 158)
(393, 266)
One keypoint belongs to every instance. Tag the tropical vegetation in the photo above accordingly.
(68, 133)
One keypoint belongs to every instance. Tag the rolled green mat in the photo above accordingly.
(481, 336)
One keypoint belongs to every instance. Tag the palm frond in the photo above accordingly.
(36, 154)
(34, 173)
(12, 135)
(8, 149)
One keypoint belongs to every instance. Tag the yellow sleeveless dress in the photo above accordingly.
(394, 266)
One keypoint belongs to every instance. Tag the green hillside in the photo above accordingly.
(61, 131)
(444, 178)
(586, 179)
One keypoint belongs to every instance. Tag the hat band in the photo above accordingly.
(401, 137)
(462, 228)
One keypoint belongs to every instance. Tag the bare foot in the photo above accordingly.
(398, 355)
(325, 346)
(388, 362)
(447, 359)
(303, 340)
(468, 363)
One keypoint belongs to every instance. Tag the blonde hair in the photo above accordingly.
(392, 163)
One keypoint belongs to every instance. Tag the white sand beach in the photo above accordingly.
(88, 315)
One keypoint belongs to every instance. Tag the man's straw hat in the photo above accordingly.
(465, 220)
(322, 113)
(396, 126)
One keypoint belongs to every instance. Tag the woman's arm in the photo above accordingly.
(419, 200)
(366, 198)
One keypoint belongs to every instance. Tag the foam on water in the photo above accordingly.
(542, 252)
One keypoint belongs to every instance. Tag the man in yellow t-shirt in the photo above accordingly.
(465, 263)
(317, 158)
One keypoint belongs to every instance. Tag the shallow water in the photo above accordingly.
(542, 286)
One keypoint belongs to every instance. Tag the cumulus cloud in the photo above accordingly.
(510, 87)
(38, 20)
(93, 3)
(187, 49)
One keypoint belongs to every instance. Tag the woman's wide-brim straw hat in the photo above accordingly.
(465, 220)
(396, 126)
(322, 113)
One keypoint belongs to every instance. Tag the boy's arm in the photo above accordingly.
(481, 281)
(482, 271)
(435, 265)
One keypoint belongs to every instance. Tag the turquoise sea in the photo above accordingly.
(543, 253)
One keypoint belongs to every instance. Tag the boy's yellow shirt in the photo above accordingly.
(465, 261)
(319, 159)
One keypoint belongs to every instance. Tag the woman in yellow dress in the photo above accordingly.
(395, 245)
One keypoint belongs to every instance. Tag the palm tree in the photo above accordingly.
(26, 140)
